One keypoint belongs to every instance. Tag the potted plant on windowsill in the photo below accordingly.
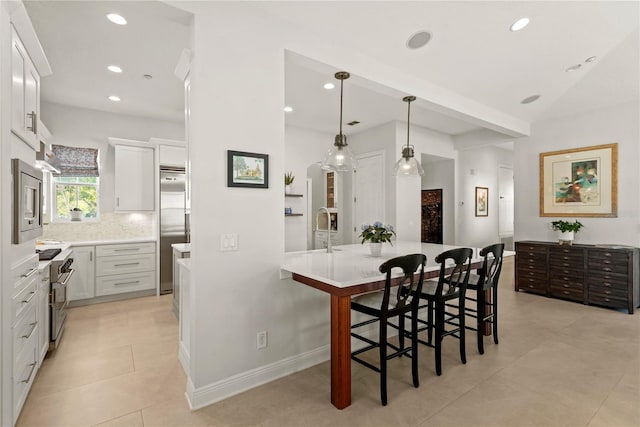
(76, 214)
(566, 230)
(376, 235)
(288, 180)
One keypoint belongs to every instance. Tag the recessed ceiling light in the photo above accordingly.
(147, 76)
(287, 109)
(114, 69)
(519, 24)
(116, 19)
(114, 98)
(530, 99)
(573, 68)
(329, 86)
(418, 40)
(590, 59)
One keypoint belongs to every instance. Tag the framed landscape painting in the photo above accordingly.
(581, 182)
(482, 201)
(247, 169)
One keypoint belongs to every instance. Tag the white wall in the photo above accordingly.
(441, 174)
(303, 147)
(481, 231)
(604, 126)
(81, 127)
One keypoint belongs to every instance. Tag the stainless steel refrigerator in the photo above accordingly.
(173, 221)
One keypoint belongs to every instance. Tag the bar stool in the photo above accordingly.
(438, 293)
(384, 305)
(486, 279)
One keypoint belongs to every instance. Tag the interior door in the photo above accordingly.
(368, 191)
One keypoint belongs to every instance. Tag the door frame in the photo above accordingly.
(511, 168)
(381, 153)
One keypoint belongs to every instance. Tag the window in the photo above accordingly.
(75, 188)
(75, 192)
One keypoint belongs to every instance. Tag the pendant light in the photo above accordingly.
(339, 158)
(408, 165)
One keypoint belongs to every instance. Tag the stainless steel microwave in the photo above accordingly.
(27, 201)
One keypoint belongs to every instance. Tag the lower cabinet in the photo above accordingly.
(42, 315)
(82, 284)
(25, 330)
(591, 274)
(112, 269)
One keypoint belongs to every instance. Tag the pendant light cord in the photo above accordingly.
(341, 86)
(408, 125)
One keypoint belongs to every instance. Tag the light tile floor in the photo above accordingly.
(557, 364)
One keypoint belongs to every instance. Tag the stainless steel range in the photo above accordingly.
(61, 272)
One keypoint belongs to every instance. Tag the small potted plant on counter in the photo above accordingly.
(76, 214)
(376, 235)
(566, 230)
(288, 180)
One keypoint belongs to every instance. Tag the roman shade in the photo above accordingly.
(76, 161)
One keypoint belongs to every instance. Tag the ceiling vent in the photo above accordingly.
(353, 123)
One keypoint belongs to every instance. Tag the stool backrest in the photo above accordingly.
(403, 300)
(492, 265)
(456, 281)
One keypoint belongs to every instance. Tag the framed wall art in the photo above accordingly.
(580, 182)
(482, 201)
(247, 169)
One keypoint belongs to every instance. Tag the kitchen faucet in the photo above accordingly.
(329, 249)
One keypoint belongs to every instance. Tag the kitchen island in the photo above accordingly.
(351, 270)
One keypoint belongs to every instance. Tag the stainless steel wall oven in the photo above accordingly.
(27, 201)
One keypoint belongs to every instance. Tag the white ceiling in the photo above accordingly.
(80, 43)
(472, 54)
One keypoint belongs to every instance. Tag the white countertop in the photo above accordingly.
(113, 242)
(182, 247)
(351, 265)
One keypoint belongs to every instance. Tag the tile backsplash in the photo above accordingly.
(111, 226)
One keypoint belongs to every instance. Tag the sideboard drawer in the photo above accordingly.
(566, 291)
(124, 264)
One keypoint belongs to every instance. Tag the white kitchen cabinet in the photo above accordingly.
(127, 267)
(82, 284)
(25, 93)
(134, 179)
(180, 250)
(43, 314)
(173, 156)
(24, 330)
(184, 319)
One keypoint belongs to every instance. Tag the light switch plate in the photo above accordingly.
(228, 242)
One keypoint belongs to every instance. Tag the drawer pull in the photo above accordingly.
(606, 269)
(607, 284)
(133, 282)
(565, 286)
(30, 272)
(33, 368)
(129, 263)
(31, 331)
(28, 300)
(126, 249)
(607, 300)
(565, 292)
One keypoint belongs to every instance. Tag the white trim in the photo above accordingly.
(211, 393)
(185, 360)
(184, 64)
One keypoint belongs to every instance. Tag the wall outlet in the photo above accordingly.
(261, 340)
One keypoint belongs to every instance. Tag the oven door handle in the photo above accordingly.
(66, 279)
(54, 300)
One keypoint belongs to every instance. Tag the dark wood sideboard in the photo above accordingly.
(591, 274)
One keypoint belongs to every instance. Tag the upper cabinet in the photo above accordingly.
(134, 179)
(25, 93)
(172, 156)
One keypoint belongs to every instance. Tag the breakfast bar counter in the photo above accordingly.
(351, 270)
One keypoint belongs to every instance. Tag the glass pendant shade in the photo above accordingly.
(408, 165)
(339, 158)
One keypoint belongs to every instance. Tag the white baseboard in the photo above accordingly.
(220, 390)
(223, 389)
